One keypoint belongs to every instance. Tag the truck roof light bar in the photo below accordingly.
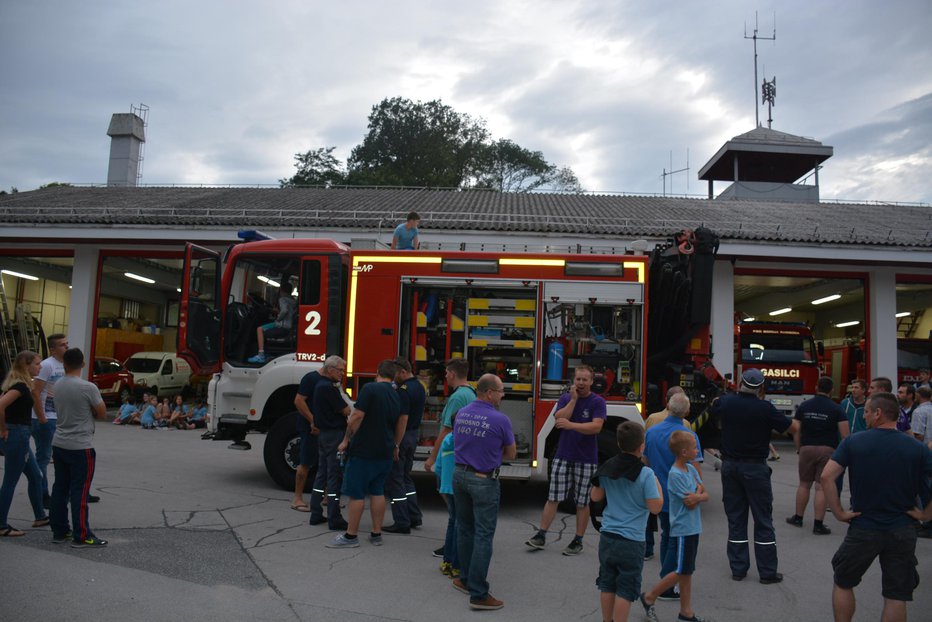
(586, 268)
(481, 266)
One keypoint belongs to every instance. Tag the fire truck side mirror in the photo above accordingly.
(820, 346)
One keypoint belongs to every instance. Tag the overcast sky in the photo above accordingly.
(607, 87)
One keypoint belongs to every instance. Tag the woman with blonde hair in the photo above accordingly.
(15, 429)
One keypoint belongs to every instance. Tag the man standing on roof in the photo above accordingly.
(405, 236)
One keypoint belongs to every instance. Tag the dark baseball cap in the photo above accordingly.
(752, 378)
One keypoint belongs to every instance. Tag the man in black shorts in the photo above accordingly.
(372, 432)
(888, 471)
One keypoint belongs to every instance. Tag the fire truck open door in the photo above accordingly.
(199, 318)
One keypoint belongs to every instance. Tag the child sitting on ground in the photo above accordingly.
(149, 419)
(686, 493)
(179, 416)
(199, 415)
(631, 491)
(128, 413)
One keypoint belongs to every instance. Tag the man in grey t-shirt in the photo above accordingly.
(78, 403)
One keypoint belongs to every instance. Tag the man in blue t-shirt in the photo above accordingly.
(579, 415)
(658, 456)
(888, 472)
(405, 236)
(372, 433)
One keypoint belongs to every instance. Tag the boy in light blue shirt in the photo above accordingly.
(686, 492)
(128, 413)
(444, 468)
(631, 492)
(148, 419)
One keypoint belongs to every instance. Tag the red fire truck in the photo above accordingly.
(530, 318)
(787, 356)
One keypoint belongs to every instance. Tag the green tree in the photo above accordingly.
(509, 167)
(418, 144)
(314, 168)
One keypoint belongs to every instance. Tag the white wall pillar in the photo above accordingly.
(881, 306)
(83, 290)
(723, 316)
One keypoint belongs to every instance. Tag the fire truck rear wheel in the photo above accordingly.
(282, 453)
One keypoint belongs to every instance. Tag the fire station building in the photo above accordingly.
(104, 264)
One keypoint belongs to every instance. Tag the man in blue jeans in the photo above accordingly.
(482, 438)
(44, 416)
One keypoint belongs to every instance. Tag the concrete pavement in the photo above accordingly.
(200, 532)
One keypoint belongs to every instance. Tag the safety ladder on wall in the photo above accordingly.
(28, 338)
(8, 338)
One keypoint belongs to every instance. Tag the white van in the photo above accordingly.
(161, 373)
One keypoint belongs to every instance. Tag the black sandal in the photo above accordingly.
(40, 522)
(9, 532)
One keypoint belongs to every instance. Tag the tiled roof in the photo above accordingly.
(476, 211)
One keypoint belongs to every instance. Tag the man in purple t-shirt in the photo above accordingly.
(482, 439)
(580, 415)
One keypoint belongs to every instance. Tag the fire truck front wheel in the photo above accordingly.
(282, 453)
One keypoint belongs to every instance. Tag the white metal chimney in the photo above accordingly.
(127, 133)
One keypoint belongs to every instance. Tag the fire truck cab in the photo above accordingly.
(529, 318)
(787, 356)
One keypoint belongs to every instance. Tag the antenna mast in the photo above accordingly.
(667, 173)
(755, 37)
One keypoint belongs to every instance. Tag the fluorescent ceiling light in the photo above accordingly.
(144, 279)
(781, 311)
(266, 279)
(178, 289)
(904, 314)
(847, 324)
(28, 277)
(749, 319)
(826, 299)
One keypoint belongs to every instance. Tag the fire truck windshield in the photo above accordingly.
(786, 348)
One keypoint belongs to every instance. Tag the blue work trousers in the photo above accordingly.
(477, 498)
(329, 477)
(18, 459)
(746, 486)
(399, 488)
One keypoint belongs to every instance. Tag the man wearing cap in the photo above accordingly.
(747, 422)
